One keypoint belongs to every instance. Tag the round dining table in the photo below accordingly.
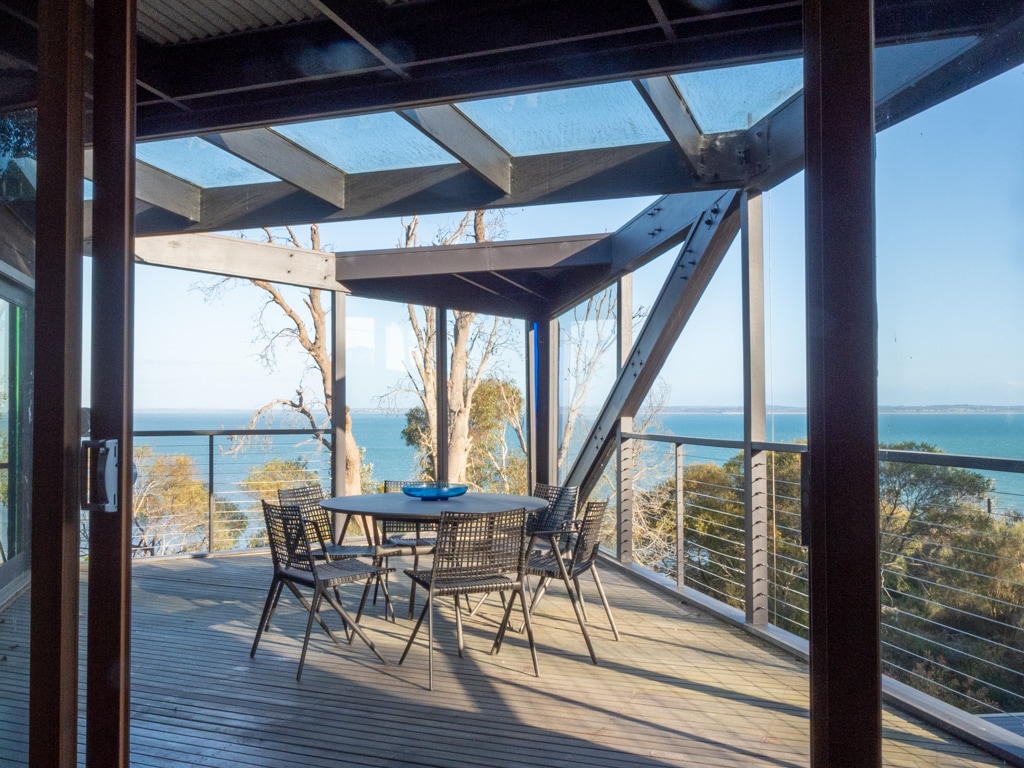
(398, 506)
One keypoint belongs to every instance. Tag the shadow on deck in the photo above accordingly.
(680, 689)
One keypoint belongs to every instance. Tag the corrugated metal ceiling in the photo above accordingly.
(175, 21)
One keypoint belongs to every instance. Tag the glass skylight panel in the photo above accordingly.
(734, 98)
(200, 162)
(899, 65)
(364, 143)
(567, 120)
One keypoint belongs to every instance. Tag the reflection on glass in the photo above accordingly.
(365, 143)
(384, 389)
(610, 115)
(734, 98)
(486, 414)
(200, 162)
(586, 362)
(18, 156)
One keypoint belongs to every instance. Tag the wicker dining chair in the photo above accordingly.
(562, 502)
(408, 532)
(307, 498)
(561, 508)
(569, 563)
(420, 536)
(476, 553)
(295, 565)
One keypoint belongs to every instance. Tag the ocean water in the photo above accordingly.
(379, 434)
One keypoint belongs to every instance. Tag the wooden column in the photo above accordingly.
(542, 400)
(339, 397)
(53, 666)
(755, 477)
(625, 451)
(842, 426)
(109, 652)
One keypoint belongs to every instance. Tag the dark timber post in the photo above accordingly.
(53, 665)
(624, 490)
(339, 401)
(842, 429)
(542, 401)
(755, 480)
(109, 654)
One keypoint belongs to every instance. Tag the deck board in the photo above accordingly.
(680, 688)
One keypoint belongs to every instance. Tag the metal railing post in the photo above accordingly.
(624, 492)
(210, 497)
(680, 454)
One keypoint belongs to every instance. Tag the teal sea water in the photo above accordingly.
(379, 434)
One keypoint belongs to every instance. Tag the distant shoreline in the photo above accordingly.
(681, 409)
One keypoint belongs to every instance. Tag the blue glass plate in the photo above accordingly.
(434, 492)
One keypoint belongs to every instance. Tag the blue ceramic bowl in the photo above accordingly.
(434, 492)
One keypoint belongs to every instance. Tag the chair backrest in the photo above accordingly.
(395, 486)
(307, 498)
(588, 535)
(289, 537)
(561, 507)
(478, 545)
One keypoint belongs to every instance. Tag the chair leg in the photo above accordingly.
(415, 630)
(529, 630)
(309, 628)
(430, 649)
(458, 625)
(500, 636)
(412, 585)
(580, 617)
(607, 608)
(272, 595)
(579, 596)
(336, 605)
(302, 601)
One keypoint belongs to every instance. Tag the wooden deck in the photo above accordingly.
(680, 689)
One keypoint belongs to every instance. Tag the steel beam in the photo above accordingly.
(842, 398)
(710, 234)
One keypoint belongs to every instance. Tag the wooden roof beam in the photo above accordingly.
(232, 256)
(474, 257)
(162, 189)
(281, 157)
(668, 107)
(447, 126)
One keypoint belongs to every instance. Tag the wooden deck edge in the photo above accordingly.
(1001, 743)
(977, 731)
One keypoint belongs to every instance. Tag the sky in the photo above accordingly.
(950, 271)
